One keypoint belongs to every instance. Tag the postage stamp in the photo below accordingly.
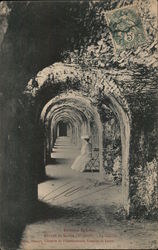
(126, 27)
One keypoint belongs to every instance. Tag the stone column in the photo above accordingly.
(18, 181)
(143, 151)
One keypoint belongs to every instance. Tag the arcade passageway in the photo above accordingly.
(73, 200)
(59, 197)
(75, 207)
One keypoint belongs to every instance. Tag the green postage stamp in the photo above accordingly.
(126, 27)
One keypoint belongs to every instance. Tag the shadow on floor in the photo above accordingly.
(59, 161)
(12, 231)
(48, 178)
(45, 212)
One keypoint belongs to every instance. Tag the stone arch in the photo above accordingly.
(83, 111)
(124, 123)
(80, 116)
(119, 106)
(75, 120)
(68, 123)
(60, 115)
(112, 96)
(53, 125)
(60, 78)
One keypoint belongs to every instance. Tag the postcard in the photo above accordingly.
(78, 125)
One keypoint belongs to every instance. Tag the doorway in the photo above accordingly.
(62, 128)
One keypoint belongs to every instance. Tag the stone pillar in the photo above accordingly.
(143, 155)
(18, 181)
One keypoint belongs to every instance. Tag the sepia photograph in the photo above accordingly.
(78, 124)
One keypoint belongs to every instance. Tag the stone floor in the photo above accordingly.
(77, 211)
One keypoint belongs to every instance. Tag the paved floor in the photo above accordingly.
(64, 149)
(77, 211)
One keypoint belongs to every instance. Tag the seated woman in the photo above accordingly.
(85, 155)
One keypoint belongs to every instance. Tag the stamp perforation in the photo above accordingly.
(132, 44)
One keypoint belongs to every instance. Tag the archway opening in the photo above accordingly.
(74, 117)
(83, 116)
(55, 78)
(65, 187)
(62, 128)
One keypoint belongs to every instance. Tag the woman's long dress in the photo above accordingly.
(84, 157)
